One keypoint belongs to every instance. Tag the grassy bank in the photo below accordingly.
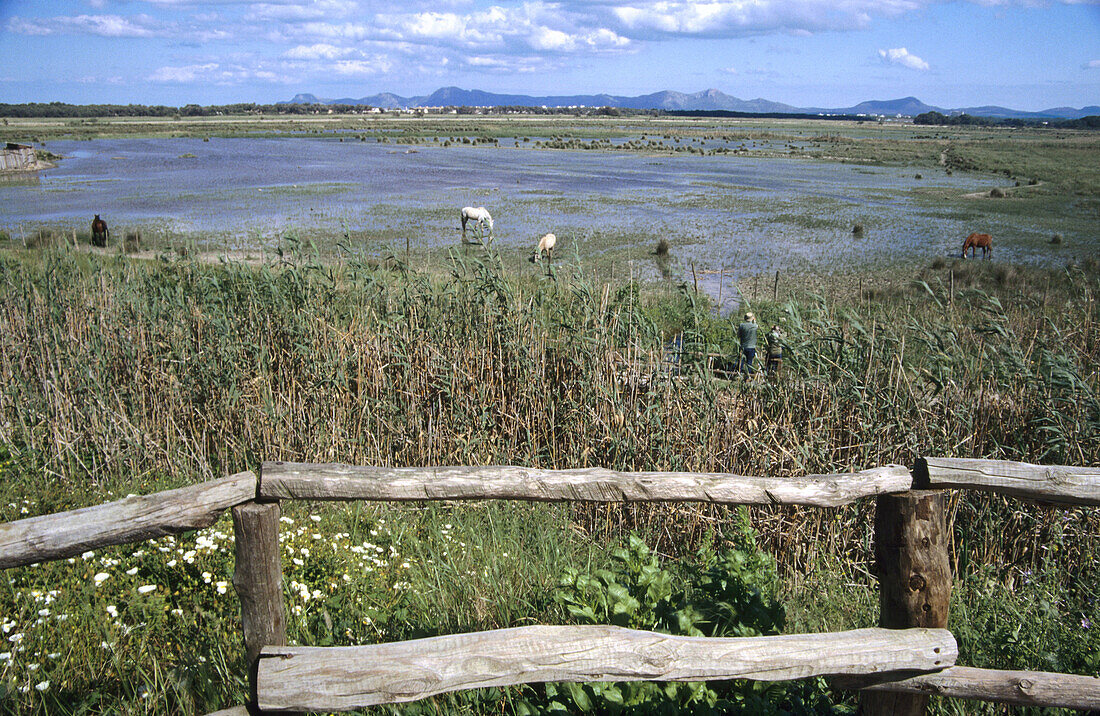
(122, 376)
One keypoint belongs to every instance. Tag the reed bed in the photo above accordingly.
(116, 368)
(118, 375)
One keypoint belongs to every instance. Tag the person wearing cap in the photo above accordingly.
(746, 333)
(774, 341)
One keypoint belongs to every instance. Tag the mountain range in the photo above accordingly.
(710, 99)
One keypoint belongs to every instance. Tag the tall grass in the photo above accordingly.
(113, 368)
(115, 372)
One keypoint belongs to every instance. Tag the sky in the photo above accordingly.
(1023, 54)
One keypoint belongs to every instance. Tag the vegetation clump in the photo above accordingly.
(185, 371)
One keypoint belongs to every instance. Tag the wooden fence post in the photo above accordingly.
(911, 556)
(258, 579)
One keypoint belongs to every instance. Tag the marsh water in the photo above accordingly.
(740, 213)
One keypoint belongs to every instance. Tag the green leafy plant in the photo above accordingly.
(724, 593)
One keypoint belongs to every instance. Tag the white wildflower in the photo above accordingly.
(145, 589)
(101, 577)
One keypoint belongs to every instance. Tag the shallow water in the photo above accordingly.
(741, 213)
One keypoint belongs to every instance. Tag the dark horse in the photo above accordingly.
(978, 241)
(100, 233)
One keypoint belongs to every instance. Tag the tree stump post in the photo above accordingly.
(258, 579)
(911, 558)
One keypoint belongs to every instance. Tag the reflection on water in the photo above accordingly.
(735, 213)
(19, 179)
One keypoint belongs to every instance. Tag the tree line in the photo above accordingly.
(84, 111)
(959, 120)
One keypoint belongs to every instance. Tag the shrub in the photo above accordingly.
(715, 594)
(43, 239)
(662, 247)
(857, 230)
(1056, 239)
(997, 193)
(131, 242)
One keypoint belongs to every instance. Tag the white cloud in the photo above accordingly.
(185, 74)
(216, 73)
(316, 52)
(1091, 65)
(373, 66)
(728, 70)
(290, 12)
(739, 18)
(544, 38)
(336, 31)
(102, 25)
(901, 56)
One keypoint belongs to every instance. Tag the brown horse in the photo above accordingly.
(978, 241)
(100, 233)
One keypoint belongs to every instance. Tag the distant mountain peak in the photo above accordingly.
(706, 100)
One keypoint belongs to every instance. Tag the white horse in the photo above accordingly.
(546, 244)
(480, 216)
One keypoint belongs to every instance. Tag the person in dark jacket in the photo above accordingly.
(774, 340)
(746, 333)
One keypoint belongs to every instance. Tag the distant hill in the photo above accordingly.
(710, 100)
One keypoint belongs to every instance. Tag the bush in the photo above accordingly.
(44, 239)
(131, 242)
(997, 193)
(715, 594)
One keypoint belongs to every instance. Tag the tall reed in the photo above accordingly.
(113, 368)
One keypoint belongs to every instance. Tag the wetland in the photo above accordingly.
(738, 197)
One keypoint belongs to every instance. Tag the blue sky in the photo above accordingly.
(1023, 54)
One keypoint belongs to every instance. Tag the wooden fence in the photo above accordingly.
(896, 666)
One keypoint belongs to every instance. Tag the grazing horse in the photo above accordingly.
(978, 241)
(480, 216)
(100, 234)
(546, 244)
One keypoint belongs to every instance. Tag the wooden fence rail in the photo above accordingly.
(284, 480)
(346, 678)
(911, 538)
(1047, 483)
(1019, 688)
(133, 519)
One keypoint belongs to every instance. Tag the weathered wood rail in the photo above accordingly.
(896, 668)
(133, 519)
(346, 678)
(283, 480)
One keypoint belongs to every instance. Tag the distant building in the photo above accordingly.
(18, 158)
